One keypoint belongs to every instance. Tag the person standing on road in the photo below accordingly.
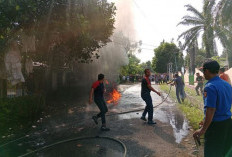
(179, 83)
(146, 88)
(98, 91)
(224, 76)
(217, 123)
(200, 83)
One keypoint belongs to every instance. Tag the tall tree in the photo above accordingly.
(223, 25)
(132, 68)
(200, 22)
(167, 53)
(224, 12)
(63, 29)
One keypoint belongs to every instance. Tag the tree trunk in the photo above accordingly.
(3, 88)
(229, 58)
(192, 60)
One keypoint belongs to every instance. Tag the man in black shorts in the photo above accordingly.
(146, 96)
(98, 91)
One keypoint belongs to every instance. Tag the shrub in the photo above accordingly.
(20, 111)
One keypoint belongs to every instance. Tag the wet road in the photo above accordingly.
(165, 138)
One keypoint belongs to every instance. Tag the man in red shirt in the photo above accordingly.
(98, 91)
(224, 76)
(146, 88)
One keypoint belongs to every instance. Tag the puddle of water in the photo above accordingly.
(166, 114)
(180, 133)
(129, 116)
(176, 119)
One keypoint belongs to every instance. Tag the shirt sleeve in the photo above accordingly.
(95, 85)
(174, 80)
(210, 97)
(223, 77)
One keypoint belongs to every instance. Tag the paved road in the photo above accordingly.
(170, 137)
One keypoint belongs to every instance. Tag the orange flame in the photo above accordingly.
(115, 96)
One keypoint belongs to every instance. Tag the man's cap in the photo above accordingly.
(213, 66)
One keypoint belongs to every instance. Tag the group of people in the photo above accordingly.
(217, 95)
(129, 78)
(200, 80)
(161, 78)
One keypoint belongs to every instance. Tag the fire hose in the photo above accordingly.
(137, 110)
(75, 139)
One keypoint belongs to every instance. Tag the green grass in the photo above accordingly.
(191, 106)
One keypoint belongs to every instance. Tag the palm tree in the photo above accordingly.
(223, 26)
(224, 12)
(200, 22)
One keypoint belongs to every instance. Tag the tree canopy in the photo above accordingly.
(214, 21)
(64, 30)
(167, 53)
(133, 67)
(200, 22)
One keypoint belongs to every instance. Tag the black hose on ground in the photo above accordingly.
(76, 139)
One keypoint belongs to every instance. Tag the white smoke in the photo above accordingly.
(114, 54)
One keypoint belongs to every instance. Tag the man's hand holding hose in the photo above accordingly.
(152, 89)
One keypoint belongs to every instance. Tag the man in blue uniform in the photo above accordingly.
(146, 96)
(98, 91)
(217, 106)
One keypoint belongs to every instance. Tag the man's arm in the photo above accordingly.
(203, 79)
(152, 89)
(172, 82)
(91, 96)
(196, 81)
(208, 119)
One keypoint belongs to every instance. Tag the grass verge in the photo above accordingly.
(190, 107)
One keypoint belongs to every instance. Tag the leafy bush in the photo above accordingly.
(20, 111)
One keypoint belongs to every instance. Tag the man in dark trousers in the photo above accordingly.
(179, 83)
(98, 91)
(146, 96)
(217, 105)
(200, 82)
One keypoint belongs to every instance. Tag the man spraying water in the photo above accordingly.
(146, 96)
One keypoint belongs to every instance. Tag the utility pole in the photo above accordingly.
(176, 64)
(169, 70)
